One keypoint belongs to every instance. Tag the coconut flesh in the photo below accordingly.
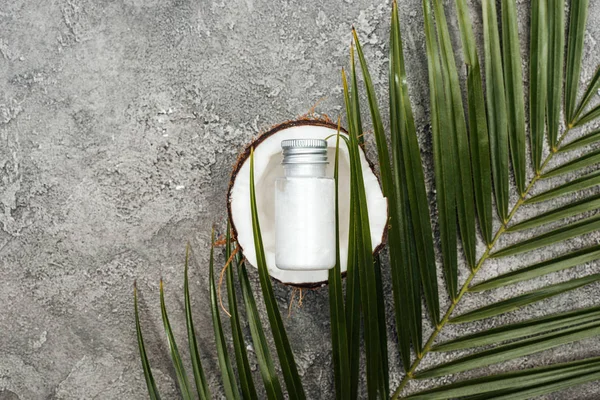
(267, 168)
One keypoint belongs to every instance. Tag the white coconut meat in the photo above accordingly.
(267, 168)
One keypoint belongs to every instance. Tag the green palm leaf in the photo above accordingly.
(578, 163)
(399, 258)
(282, 344)
(415, 180)
(339, 334)
(229, 381)
(400, 117)
(545, 389)
(266, 364)
(458, 135)
(557, 235)
(152, 389)
(585, 182)
(556, 48)
(444, 156)
(182, 379)
(589, 93)
(527, 378)
(591, 115)
(590, 138)
(496, 107)
(577, 24)
(538, 78)
(384, 374)
(352, 281)
(517, 302)
(546, 267)
(478, 127)
(497, 113)
(568, 210)
(420, 217)
(515, 103)
(366, 272)
(520, 330)
(239, 345)
(199, 377)
(513, 350)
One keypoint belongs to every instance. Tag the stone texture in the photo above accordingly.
(119, 123)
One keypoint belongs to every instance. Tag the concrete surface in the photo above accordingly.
(119, 123)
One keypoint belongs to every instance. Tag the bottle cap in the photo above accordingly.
(304, 151)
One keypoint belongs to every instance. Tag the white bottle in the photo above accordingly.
(304, 208)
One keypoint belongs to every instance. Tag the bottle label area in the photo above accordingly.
(305, 223)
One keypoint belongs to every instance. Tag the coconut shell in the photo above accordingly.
(245, 154)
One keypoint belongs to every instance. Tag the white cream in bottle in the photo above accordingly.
(304, 208)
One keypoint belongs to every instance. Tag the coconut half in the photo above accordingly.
(267, 168)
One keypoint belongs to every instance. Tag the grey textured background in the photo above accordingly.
(119, 123)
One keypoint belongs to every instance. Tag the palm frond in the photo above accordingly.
(388, 190)
(399, 257)
(504, 73)
(417, 195)
(588, 139)
(282, 343)
(239, 345)
(520, 330)
(517, 302)
(554, 236)
(384, 373)
(478, 126)
(538, 78)
(577, 24)
(364, 265)
(591, 115)
(339, 334)
(556, 48)
(266, 364)
(352, 281)
(546, 267)
(496, 107)
(182, 379)
(402, 125)
(513, 350)
(458, 137)
(579, 184)
(229, 380)
(515, 102)
(522, 379)
(199, 377)
(573, 165)
(543, 389)
(152, 389)
(578, 207)
(589, 93)
(444, 156)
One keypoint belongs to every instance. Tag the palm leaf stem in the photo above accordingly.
(429, 344)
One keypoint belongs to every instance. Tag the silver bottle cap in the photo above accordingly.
(304, 151)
